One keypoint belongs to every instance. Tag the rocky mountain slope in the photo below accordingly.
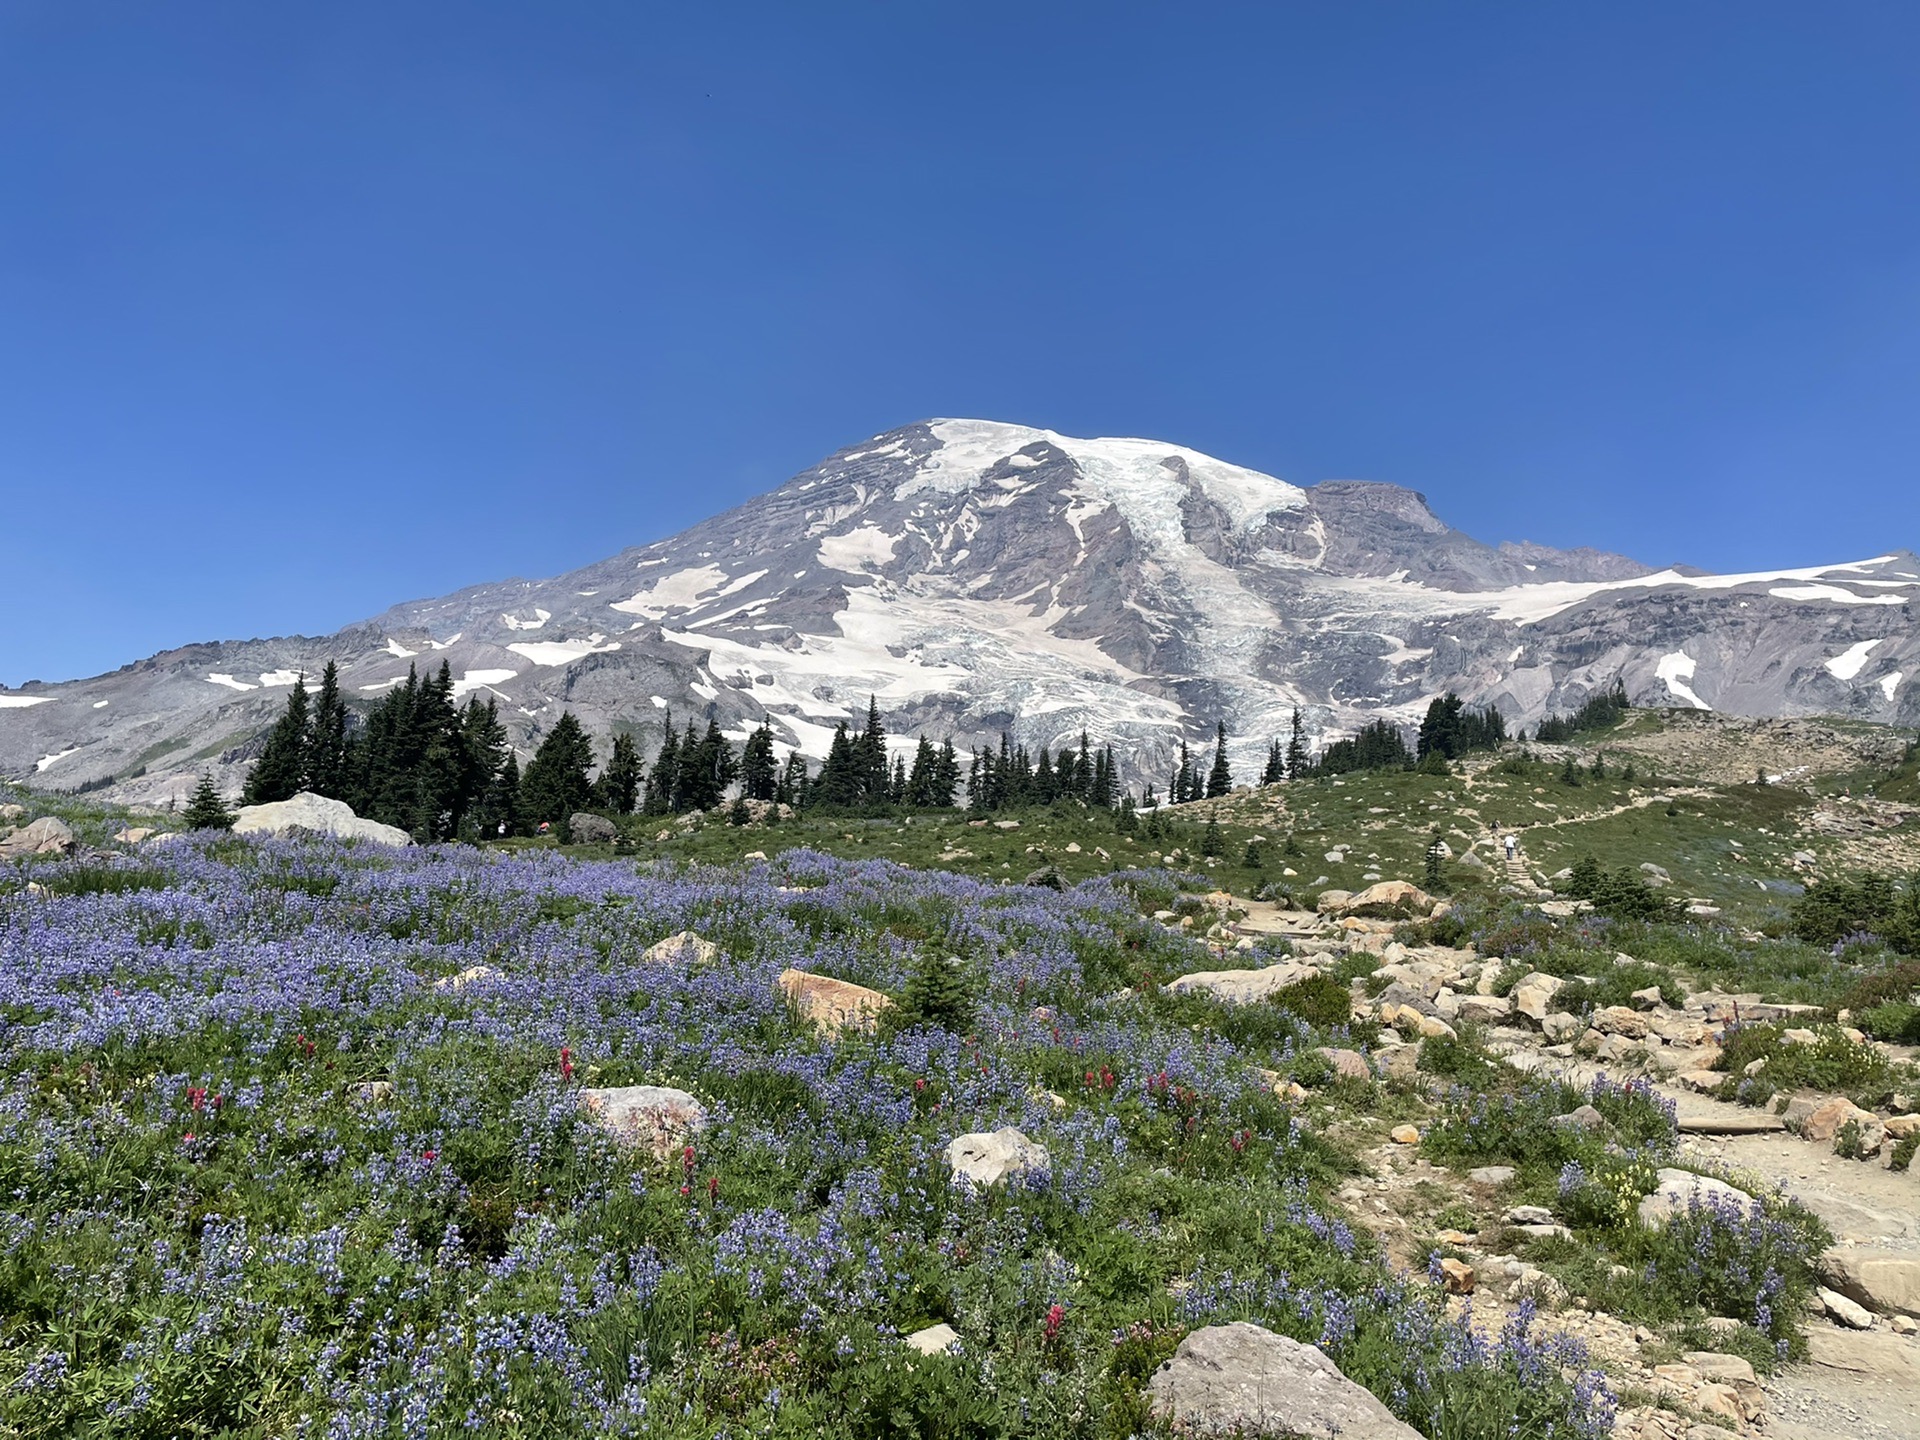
(980, 577)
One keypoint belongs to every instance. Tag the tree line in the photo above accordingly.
(442, 770)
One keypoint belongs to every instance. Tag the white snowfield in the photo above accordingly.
(1853, 659)
(22, 702)
(1676, 670)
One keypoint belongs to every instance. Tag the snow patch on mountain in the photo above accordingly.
(22, 702)
(563, 652)
(220, 678)
(1890, 683)
(1851, 661)
(478, 679)
(858, 549)
(1676, 670)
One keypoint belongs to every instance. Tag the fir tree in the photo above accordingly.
(620, 783)
(872, 775)
(759, 770)
(837, 786)
(937, 994)
(555, 784)
(206, 810)
(1276, 770)
(1297, 757)
(1212, 844)
(1433, 878)
(326, 765)
(1219, 778)
(1186, 785)
(499, 812)
(794, 786)
(281, 771)
(663, 778)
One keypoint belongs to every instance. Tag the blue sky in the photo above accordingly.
(308, 310)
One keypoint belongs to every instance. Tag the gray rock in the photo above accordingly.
(681, 948)
(1583, 1117)
(1843, 1311)
(1492, 1175)
(1244, 1379)
(591, 829)
(1529, 1215)
(656, 1117)
(983, 1158)
(310, 814)
(49, 835)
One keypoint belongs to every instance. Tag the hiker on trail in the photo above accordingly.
(1512, 845)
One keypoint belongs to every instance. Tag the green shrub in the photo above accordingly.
(1895, 1022)
(1320, 1000)
(1831, 1063)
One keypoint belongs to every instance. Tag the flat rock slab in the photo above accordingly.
(682, 948)
(1241, 987)
(1754, 1122)
(1244, 1379)
(1883, 1357)
(1887, 1282)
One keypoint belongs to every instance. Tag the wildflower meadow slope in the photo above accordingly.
(267, 1174)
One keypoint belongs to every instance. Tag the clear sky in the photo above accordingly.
(306, 310)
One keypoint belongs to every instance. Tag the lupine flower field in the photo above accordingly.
(265, 1177)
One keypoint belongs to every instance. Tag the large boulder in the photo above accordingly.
(591, 829)
(49, 835)
(1534, 993)
(1389, 898)
(1887, 1282)
(1677, 1190)
(832, 1004)
(1242, 1379)
(310, 814)
(655, 1117)
(683, 947)
(1241, 987)
(987, 1158)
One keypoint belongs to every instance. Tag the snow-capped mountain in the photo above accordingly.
(979, 577)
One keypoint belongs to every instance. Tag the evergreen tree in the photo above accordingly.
(714, 768)
(555, 784)
(1569, 772)
(281, 771)
(794, 787)
(837, 786)
(1212, 844)
(1433, 877)
(620, 783)
(1276, 770)
(206, 810)
(1219, 778)
(946, 776)
(1186, 785)
(326, 764)
(499, 811)
(486, 754)
(897, 787)
(872, 775)
(759, 770)
(937, 994)
(1378, 746)
(663, 779)
(1297, 757)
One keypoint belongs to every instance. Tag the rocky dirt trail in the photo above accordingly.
(1857, 1385)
